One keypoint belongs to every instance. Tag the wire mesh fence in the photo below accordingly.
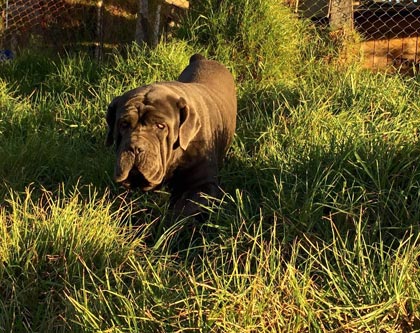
(21, 20)
(391, 31)
(21, 15)
(390, 28)
(93, 24)
(65, 24)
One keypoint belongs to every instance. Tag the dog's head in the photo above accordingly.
(148, 125)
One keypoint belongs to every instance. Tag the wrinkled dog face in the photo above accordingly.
(148, 124)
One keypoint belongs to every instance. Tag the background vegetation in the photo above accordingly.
(317, 232)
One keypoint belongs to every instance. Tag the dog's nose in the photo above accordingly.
(135, 150)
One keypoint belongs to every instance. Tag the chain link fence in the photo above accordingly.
(391, 32)
(39, 22)
(21, 15)
(390, 28)
(88, 25)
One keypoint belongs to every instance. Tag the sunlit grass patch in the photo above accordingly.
(318, 227)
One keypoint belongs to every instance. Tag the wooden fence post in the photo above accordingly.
(99, 31)
(341, 14)
(149, 19)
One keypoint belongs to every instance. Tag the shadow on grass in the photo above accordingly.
(48, 159)
(351, 190)
(34, 72)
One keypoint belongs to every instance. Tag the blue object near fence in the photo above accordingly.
(6, 55)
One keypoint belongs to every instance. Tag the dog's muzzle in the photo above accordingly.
(135, 180)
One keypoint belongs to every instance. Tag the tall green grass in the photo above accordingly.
(245, 36)
(317, 232)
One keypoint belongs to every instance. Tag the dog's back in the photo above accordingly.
(208, 72)
(217, 87)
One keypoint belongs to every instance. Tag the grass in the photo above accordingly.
(319, 227)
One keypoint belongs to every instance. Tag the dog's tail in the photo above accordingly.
(196, 57)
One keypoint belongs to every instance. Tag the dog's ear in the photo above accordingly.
(189, 123)
(110, 120)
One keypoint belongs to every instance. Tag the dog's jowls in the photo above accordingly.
(175, 133)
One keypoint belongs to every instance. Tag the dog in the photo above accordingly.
(176, 133)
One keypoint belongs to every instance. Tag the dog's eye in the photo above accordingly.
(160, 126)
(125, 125)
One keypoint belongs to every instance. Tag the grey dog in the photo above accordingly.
(175, 133)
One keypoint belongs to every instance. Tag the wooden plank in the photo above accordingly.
(400, 53)
(178, 3)
(380, 57)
